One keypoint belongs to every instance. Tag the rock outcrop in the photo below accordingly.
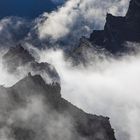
(19, 59)
(32, 109)
(117, 31)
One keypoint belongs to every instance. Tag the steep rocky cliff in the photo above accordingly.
(18, 59)
(117, 31)
(32, 109)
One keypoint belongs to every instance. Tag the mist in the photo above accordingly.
(69, 22)
(108, 87)
(33, 117)
(77, 18)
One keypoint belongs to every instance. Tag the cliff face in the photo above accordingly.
(117, 31)
(19, 58)
(51, 117)
(33, 109)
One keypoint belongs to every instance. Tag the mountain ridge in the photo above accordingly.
(112, 39)
(85, 125)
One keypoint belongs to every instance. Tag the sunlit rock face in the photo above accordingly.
(26, 8)
(32, 109)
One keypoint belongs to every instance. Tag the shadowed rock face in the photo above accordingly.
(37, 123)
(32, 109)
(117, 31)
(134, 10)
(18, 57)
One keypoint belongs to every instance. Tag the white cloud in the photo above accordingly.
(110, 88)
(70, 20)
(59, 22)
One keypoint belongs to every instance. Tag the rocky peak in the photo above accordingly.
(118, 30)
(20, 58)
(56, 115)
(17, 51)
(133, 20)
(34, 86)
(112, 40)
(17, 56)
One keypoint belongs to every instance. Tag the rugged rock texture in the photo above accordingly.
(117, 31)
(32, 110)
(19, 58)
(86, 53)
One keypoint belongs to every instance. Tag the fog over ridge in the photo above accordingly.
(109, 87)
(78, 17)
(74, 19)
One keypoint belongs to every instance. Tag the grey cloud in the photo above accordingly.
(77, 18)
(109, 87)
(64, 26)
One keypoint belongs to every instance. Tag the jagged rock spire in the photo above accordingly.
(134, 10)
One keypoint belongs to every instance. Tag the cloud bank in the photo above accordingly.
(109, 87)
(77, 18)
(71, 21)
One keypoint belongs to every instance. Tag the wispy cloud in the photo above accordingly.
(108, 87)
(78, 17)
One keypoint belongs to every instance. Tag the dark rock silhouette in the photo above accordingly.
(117, 31)
(84, 126)
(60, 116)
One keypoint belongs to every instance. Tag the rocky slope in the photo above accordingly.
(18, 59)
(117, 31)
(32, 109)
